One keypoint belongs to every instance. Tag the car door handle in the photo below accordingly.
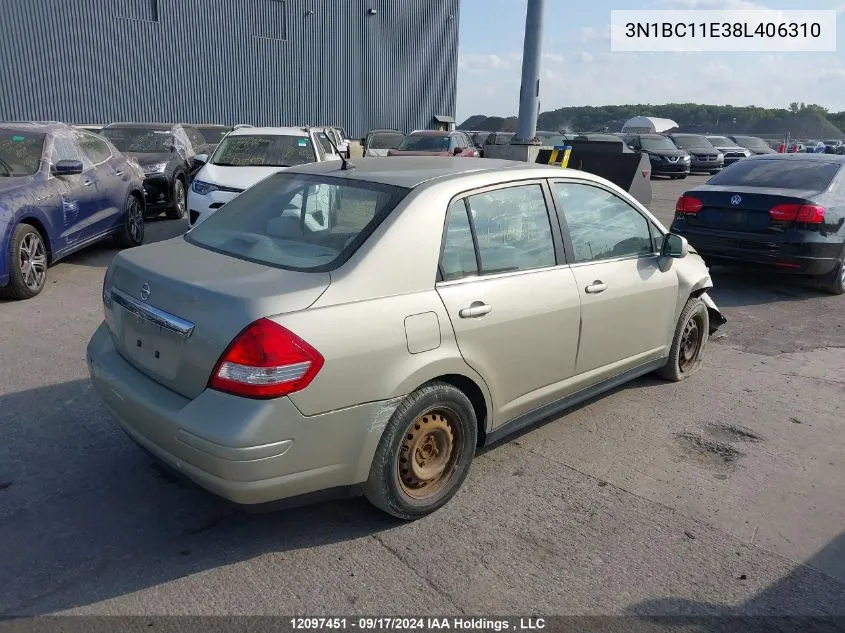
(596, 287)
(475, 310)
(87, 183)
(118, 173)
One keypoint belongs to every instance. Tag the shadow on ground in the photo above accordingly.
(85, 517)
(735, 286)
(805, 600)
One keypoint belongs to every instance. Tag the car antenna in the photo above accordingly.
(344, 164)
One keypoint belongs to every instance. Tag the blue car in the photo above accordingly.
(61, 189)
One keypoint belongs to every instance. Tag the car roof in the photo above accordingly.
(143, 126)
(36, 126)
(822, 158)
(431, 133)
(412, 171)
(272, 131)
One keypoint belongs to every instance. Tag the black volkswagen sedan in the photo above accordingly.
(786, 211)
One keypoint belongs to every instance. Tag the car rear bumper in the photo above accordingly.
(805, 258)
(247, 451)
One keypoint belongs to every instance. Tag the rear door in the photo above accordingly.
(514, 310)
(78, 194)
(627, 302)
(111, 181)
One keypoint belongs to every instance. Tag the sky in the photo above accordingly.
(579, 69)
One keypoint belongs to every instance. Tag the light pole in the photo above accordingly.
(529, 94)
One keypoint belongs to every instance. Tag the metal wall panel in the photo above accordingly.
(264, 62)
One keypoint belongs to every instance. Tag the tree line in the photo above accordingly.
(594, 118)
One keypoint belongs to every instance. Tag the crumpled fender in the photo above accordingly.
(717, 319)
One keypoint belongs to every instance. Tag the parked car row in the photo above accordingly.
(64, 187)
(677, 155)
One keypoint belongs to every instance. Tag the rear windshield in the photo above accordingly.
(20, 153)
(688, 141)
(425, 143)
(502, 139)
(805, 175)
(386, 140)
(298, 222)
(550, 138)
(264, 150)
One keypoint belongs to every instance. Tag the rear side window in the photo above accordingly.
(297, 221)
(458, 260)
(96, 150)
(806, 175)
(512, 228)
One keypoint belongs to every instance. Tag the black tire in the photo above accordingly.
(682, 176)
(179, 199)
(27, 246)
(688, 343)
(132, 232)
(443, 406)
(834, 281)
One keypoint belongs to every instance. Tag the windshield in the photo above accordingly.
(298, 221)
(425, 143)
(802, 175)
(687, 141)
(264, 150)
(722, 141)
(142, 140)
(751, 141)
(213, 133)
(20, 153)
(653, 143)
(386, 140)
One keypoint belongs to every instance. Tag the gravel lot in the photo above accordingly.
(725, 492)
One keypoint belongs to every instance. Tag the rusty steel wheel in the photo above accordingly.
(688, 343)
(424, 453)
(428, 454)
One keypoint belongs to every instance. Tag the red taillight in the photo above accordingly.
(688, 204)
(266, 361)
(806, 213)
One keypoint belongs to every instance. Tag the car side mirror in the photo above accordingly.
(67, 168)
(202, 159)
(674, 246)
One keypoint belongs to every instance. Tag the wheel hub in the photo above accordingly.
(427, 455)
(33, 261)
(690, 343)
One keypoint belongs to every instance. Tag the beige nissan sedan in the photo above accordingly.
(366, 329)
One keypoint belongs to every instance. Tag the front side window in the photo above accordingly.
(20, 153)
(264, 150)
(512, 228)
(297, 221)
(64, 148)
(601, 225)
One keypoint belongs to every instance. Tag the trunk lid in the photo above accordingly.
(743, 209)
(175, 307)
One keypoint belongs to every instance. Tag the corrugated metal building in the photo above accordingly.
(355, 63)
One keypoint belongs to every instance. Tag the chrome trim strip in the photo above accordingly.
(153, 315)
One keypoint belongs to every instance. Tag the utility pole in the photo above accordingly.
(529, 94)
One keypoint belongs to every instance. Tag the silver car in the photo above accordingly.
(442, 304)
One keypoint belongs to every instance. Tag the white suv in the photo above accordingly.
(248, 155)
